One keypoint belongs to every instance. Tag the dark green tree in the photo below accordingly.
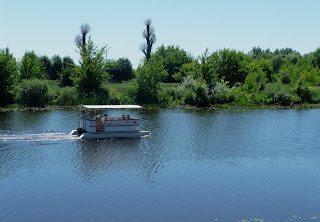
(46, 65)
(67, 69)
(174, 59)
(56, 67)
(120, 70)
(8, 72)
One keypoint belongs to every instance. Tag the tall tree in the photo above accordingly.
(150, 37)
(146, 86)
(91, 72)
(81, 38)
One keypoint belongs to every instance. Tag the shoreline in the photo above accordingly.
(152, 107)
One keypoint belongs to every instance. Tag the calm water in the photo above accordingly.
(197, 166)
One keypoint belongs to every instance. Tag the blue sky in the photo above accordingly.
(49, 27)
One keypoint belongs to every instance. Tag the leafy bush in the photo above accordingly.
(189, 97)
(304, 92)
(279, 94)
(283, 98)
(220, 93)
(68, 96)
(194, 91)
(33, 93)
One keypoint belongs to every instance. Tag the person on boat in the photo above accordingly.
(105, 118)
(85, 115)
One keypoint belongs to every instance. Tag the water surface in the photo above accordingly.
(227, 165)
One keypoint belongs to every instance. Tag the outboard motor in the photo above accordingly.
(80, 131)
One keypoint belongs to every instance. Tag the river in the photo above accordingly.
(207, 165)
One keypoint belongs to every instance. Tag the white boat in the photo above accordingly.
(95, 126)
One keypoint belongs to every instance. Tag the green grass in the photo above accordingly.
(117, 88)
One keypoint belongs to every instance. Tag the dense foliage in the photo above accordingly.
(32, 93)
(8, 71)
(174, 59)
(170, 76)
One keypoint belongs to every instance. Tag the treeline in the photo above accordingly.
(37, 81)
(226, 76)
(280, 77)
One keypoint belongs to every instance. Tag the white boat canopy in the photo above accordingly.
(109, 107)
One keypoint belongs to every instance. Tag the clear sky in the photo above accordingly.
(49, 27)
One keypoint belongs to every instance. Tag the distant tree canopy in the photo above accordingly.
(56, 67)
(120, 70)
(174, 58)
(68, 67)
(46, 65)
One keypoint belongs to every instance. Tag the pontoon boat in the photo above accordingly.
(95, 126)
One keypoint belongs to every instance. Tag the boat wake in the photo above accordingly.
(37, 137)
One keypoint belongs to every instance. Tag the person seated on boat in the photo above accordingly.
(123, 117)
(128, 117)
(85, 115)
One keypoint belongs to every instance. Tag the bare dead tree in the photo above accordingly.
(80, 39)
(150, 36)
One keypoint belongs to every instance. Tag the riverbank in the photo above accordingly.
(186, 107)
(174, 96)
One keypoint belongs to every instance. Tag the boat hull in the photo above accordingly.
(108, 135)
